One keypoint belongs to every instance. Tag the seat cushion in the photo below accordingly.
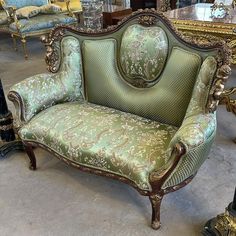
(103, 138)
(41, 22)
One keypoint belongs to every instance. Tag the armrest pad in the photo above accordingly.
(41, 91)
(195, 130)
(36, 93)
(196, 134)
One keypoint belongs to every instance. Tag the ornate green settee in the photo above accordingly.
(25, 18)
(135, 102)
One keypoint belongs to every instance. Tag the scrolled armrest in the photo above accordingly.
(39, 92)
(196, 134)
(195, 130)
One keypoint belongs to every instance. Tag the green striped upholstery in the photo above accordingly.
(166, 101)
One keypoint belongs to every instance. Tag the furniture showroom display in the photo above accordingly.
(27, 18)
(135, 102)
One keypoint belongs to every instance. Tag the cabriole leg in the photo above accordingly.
(23, 40)
(156, 204)
(30, 153)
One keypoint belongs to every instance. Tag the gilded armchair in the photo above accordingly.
(135, 102)
(34, 18)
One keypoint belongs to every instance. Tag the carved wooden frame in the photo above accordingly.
(147, 18)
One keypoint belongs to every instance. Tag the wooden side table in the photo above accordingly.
(113, 13)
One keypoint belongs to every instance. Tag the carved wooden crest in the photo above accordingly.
(147, 20)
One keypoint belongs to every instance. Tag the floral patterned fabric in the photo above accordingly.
(24, 3)
(44, 90)
(195, 130)
(41, 22)
(143, 52)
(104, 138)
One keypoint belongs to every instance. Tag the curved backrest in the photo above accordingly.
(142, 67)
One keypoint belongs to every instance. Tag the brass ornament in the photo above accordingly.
(225, 99)
(222, 75)
(226, 224)
(53, 53)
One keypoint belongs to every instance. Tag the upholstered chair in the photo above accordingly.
(135, 102)
(34, 18)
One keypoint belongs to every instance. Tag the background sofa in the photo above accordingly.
(34, 18)
(135, 102)
(4, 20)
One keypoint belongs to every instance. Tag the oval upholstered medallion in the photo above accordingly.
(143, 54)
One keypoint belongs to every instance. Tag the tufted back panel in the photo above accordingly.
(106, 82)
(23, 3)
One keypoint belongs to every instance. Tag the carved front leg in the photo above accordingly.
(30, 153)
(156, 205)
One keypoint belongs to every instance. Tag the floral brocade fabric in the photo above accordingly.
(143, 52)
(103, 138)
(44, 90)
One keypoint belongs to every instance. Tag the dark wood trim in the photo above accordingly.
(31, 155)
(154, 197)
(158, 178)
(30, 144)
(82, 167)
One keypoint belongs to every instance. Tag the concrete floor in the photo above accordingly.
(62, 201)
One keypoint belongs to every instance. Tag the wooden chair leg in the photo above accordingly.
(23, 41)
(14, 42)
(30, 153)
(156, 204)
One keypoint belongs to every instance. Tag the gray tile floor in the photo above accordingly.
(60, 200)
